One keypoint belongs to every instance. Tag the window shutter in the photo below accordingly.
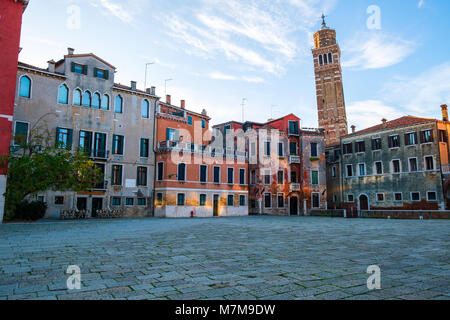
(73, 66)
(95, 72)
(138, 177)
(106, 75)
(121, 140)
(167, 134)
(85, 69)
(422, 136)
(142, 148)
(69, 139)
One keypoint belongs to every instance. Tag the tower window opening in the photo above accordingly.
(320, 60)
(330, 58)
(325, 58)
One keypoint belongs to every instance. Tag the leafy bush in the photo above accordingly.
(33, 211)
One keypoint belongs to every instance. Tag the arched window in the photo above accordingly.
(25, 87)
(77, 97)
(320, 60)
(118, 108)
(63, 94)
(105, 102)
(96, 101)
(145, 109)
(87, 99)
(330, 58)
(325, 59)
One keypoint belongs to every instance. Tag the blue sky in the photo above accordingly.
(219, 52)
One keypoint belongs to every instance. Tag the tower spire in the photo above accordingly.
(324, 24)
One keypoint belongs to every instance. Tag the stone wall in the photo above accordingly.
(339, 213)
(405, 214)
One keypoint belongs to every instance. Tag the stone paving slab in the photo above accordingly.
(227, 258)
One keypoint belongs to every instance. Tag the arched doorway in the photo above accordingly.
(363, 202)
(293, 210)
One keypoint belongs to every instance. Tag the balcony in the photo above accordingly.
(200, 149)
(295, 187)
(294, 159)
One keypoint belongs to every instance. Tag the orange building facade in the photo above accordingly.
(195, 175)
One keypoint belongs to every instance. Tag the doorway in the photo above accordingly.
(216, 205)
(363, 203)
(97, 204)
(293, 206)
(81, 204)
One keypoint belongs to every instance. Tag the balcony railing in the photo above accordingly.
(294, 159)
(200, 149)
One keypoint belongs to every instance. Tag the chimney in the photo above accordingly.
(353, 128)
(51, 66)
(153, 91)
(70, 51)
(148, 90)
(444, 112)
(384, 122)
(204, 112)
(168, 99)
(133, 85)
(183, 104)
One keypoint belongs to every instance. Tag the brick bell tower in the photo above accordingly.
(329, 87)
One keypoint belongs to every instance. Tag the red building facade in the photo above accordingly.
(10, 26)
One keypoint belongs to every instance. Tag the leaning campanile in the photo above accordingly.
(329, 87)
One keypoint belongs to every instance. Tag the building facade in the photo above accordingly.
(401, 164)
(78, 103)
(10, 27)
(329, 85)
(196, 175)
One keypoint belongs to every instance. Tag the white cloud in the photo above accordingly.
(376, 50)
(420, 4)
(125, 12)
(221, 76)
(364, 114)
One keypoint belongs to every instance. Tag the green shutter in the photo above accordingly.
(106, 75)
(56, 138)
(167, 134)
(137, 176)
(121, 141)
(73, 66)
(95, 72)
(85, 69)
(69, 139)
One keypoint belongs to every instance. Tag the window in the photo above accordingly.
(96, 101)
(360, 146)
(129, 201)
(100, 145)
(142, 202)
(320, 60)
(413, 165)
(415, 196)
(349, 170)
(293, 148)
(159, 199)
(77, 97)
(59, 200)
(315, 178)
(376, 144)
(394, 141)
(280, 200)
(443, 136)
(380, 197)
(145, 109)
(118, 108)
(252, 149)
(117, 147)
(280, 177)
(362, 169)
(101, 167)
(350, 198)
(230, 178)
(267, 200)
(431, 196)
(203, 124)
(116, 201)
(253, 177)
(101, 74)
(203, 173)
(21, 133)
(25, 87)
(330, 58)
(105, 102)
(267, 177)
(398, 196)
(142, 176)
(160, 171)
(242, 200)
(144, 148)
(181, 199)
(86, 99)
(396, 168)
(426, 136)
(348, 148)
(267, 148)
(315, 200)
(64, 138)
(230, 200)
(378, 167)
(202, 201)
(242, 176)
(181, 172)
(79, 68)
(216, 174)
(325, 59)
(85, 142)
(429, 163)
(334, 171)
(63, 94)
(314, 152)
(411, 139)
(293, 127)
(280, 149)
(293, 176)
(189, 120)
(116, 175)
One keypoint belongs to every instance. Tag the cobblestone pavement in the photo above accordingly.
(226, 258)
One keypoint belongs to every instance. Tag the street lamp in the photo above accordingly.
(146, 66)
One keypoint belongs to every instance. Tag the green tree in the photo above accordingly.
(37, 165)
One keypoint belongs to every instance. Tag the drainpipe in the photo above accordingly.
(152, 206)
